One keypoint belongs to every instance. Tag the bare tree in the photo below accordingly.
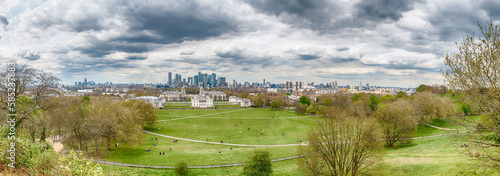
(347, 146)
(474, 71)
(29, 81)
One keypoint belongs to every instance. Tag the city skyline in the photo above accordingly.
(386, 43)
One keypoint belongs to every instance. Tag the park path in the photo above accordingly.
(218, 143)
(449, 129)
(202, 115)
(192, 167)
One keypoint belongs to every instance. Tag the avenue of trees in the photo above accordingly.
(474, 71)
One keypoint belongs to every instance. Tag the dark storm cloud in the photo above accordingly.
(307, 57)
(133, 58)
(241, 57)
(492, 7)
(381, 10)
(3, 21)
(103, 48)
(316, 15)
(455, 21)
(78, 65)
(343, 49)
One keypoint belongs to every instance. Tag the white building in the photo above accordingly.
(155, 101)
(245, 102)
(202, 102)
(215, 95)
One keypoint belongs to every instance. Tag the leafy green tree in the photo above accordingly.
(422, 88)
(181, 169)
(387, 98)
(85, 99)
(327, 101)
(311, 110)
(305, 100)
(276, 103)
(300, 108)
(401, 94)
(465, 108)
(474, 70)
(259, 164)
(374, 101)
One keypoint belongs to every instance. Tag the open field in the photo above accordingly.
(440, 155)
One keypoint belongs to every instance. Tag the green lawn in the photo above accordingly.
(190, 152)
(440, 155)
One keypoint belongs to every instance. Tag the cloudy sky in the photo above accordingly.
(381, 42)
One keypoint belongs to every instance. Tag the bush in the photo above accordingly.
(259, 164)
(181, 168)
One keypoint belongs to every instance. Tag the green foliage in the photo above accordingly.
(422, 88)
(42, 135)
(276, 103)
(287, 94)
(374, 101)
(357, 96)
(327, 101)
(259, 164)
(300, 108)
(311, 110)
(85, 99)
(465, 108)
(387, 98)
(305, 100)
(401, 94)
(181, 169)
(76, 164)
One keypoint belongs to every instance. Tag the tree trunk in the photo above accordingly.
(96, 147)
(108, 140)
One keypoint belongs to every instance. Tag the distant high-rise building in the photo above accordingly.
(84, 81)
(214, 80)
(196, 79)
(360, 86)
(300, 85)
(221, 81)
(175, 79)
(287, 85)
(367, 86)
(169, 79)
(264, 81)
(247, 84)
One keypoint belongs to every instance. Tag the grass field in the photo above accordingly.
(440, 155)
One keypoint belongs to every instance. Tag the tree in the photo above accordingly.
(387, 98)
(30, 81)
(42, 135)
(181, 169)
(474, 71)
(397, 121)
(144, 110)
(300, 108)
(347, 145)
(276, 103)
(429, 106)
(422, 88)
(259, 164)
(304, 100)
(401, 94)
(311, 162)
(311, 110)
(327, 101)
(113, 120)
(374, 101)
(76, 118)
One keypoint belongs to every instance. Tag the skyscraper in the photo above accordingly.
(360, 86)
(195, 79)
(169, 79)
(214, 80)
